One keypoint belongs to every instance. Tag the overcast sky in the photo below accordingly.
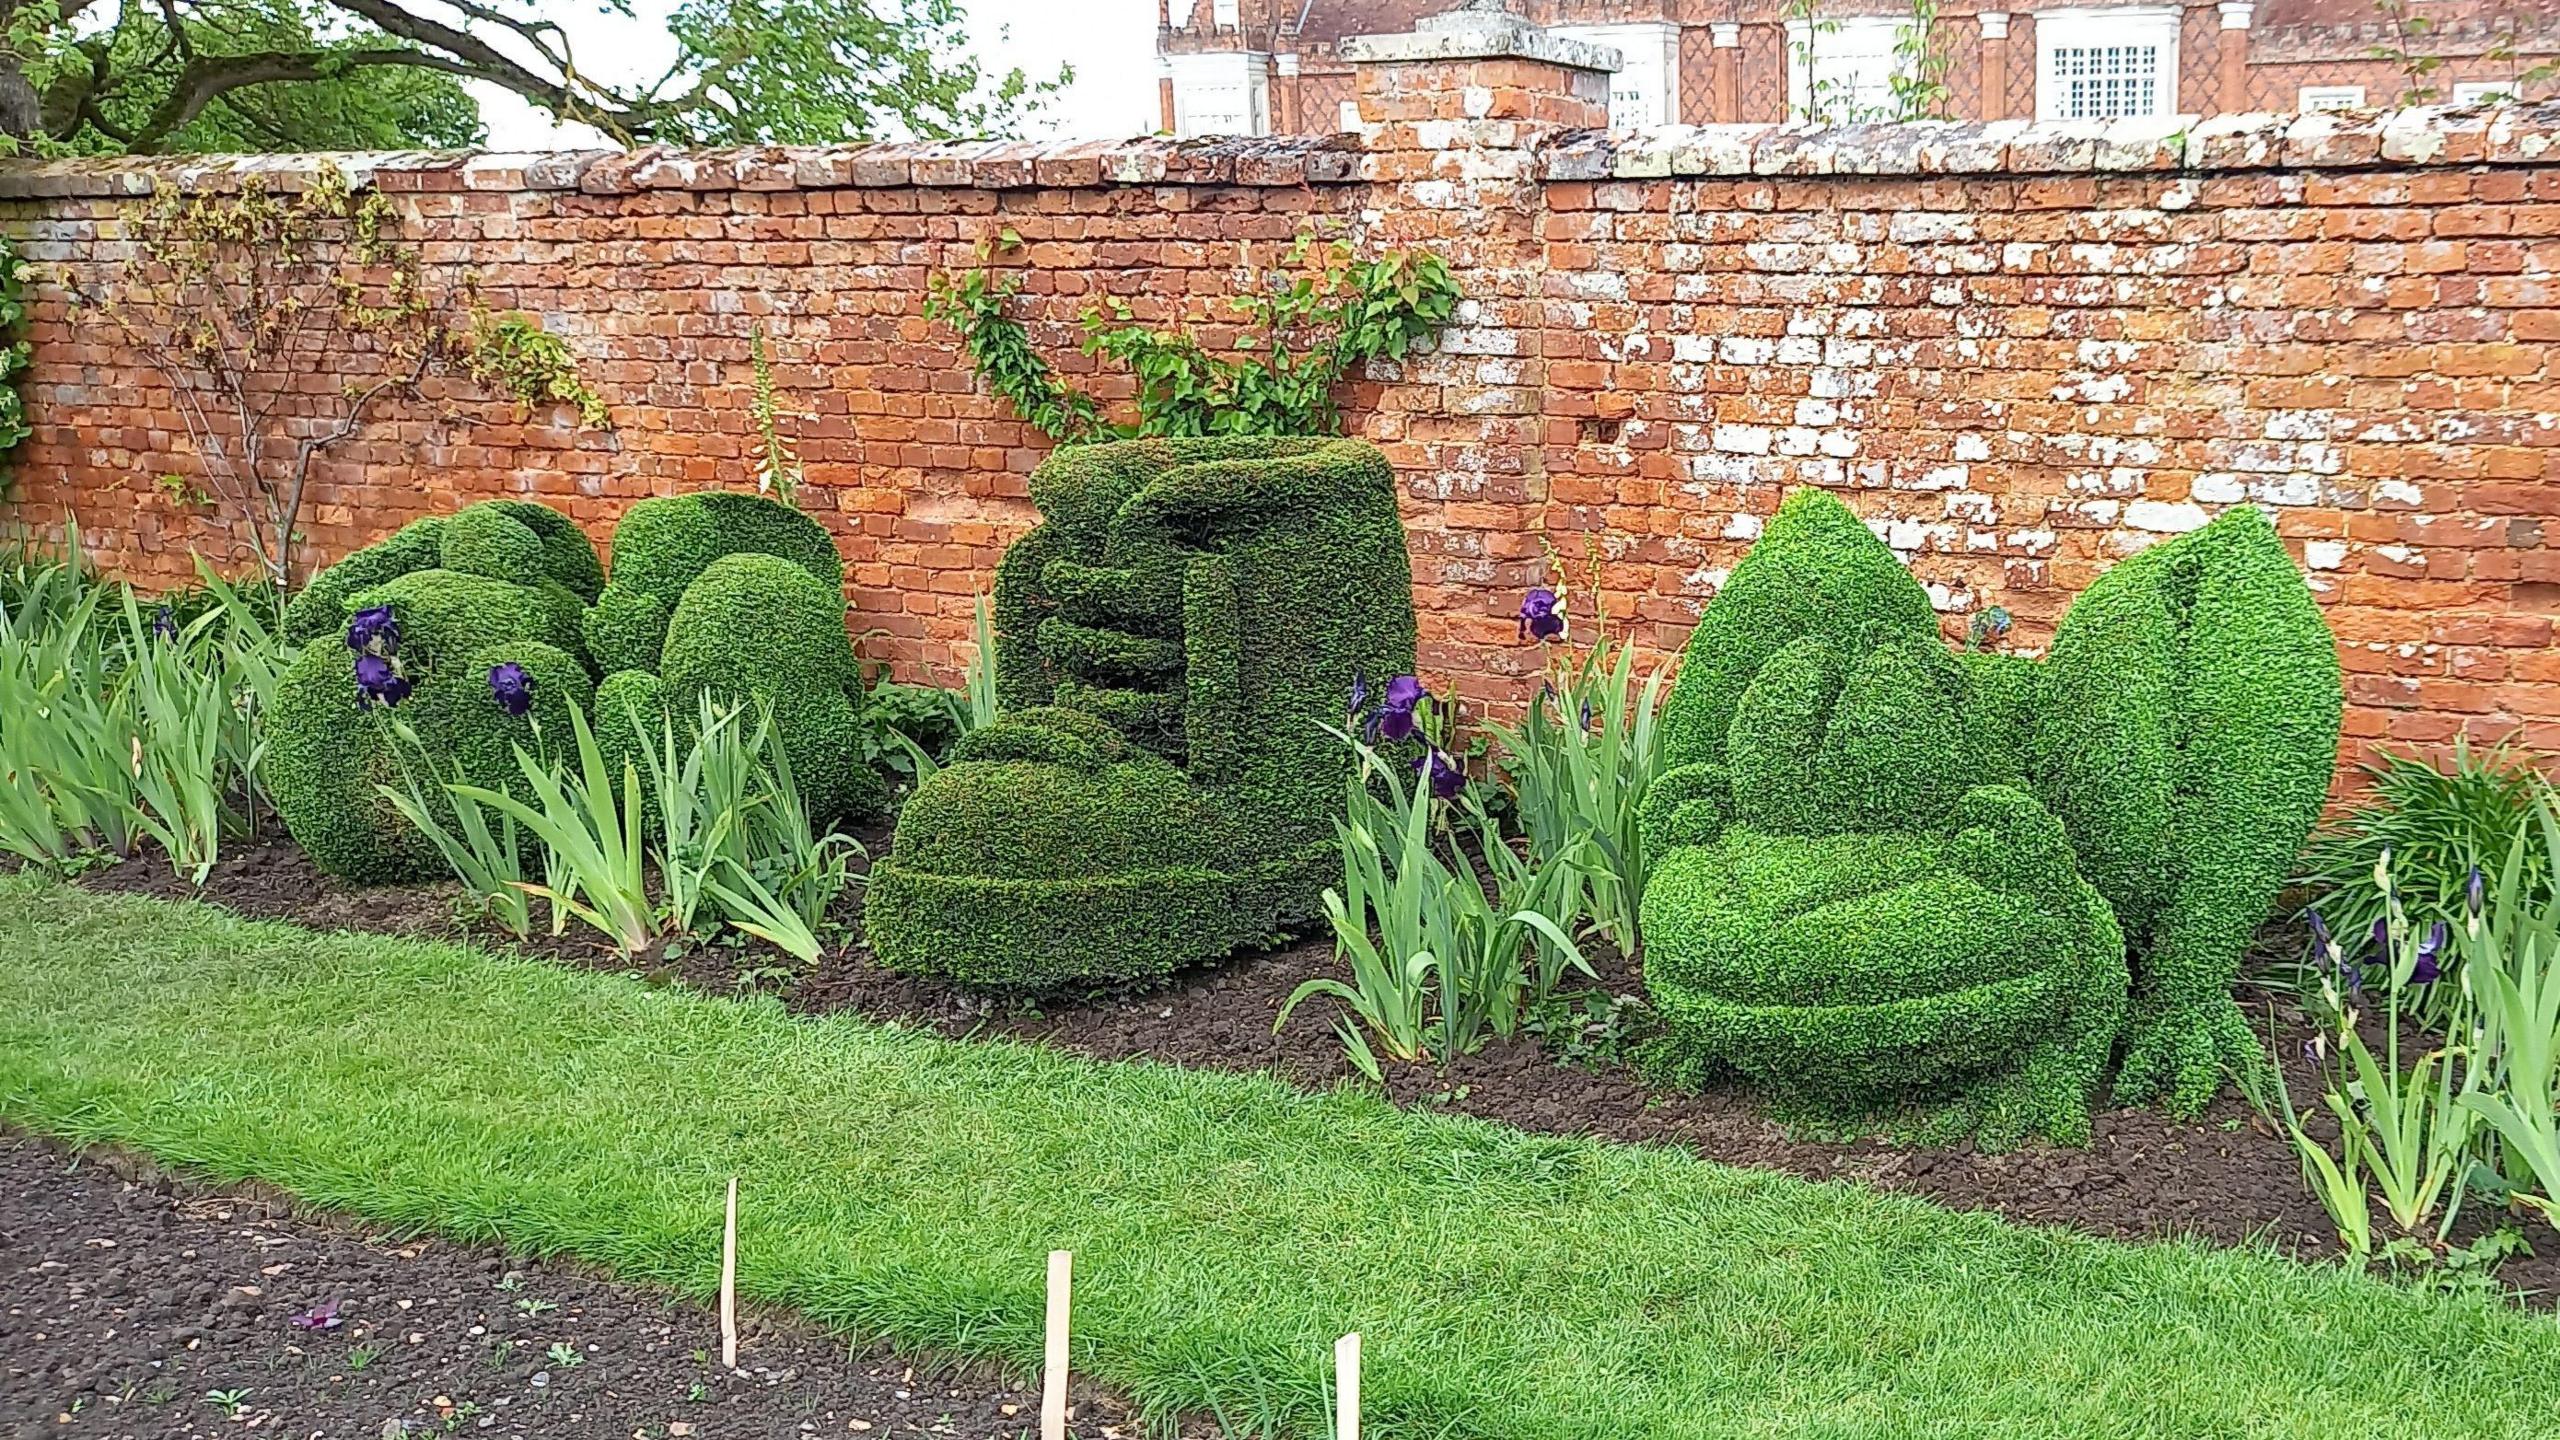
(1111, 44)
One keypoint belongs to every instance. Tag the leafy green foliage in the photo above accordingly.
(2477, 1112)
(305, 75)
(336, 765)
(764, 629)
(2190, 726)
(588, 819)
(1114, 824)
(1306, 327)
(2436, 826)
(14, 349)
(119, 724)
(236, 298)
(229, 77)
(665, 543)
(734, 831)
(514, 354)
(1579, 765)
(1915, 89)
(1437, 963)
(490, 861)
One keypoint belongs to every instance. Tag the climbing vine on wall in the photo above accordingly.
(13, 348)
(289, 319)
(1304, 327)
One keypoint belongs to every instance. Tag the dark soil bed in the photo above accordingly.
(2227, 1178)
(135, 1304)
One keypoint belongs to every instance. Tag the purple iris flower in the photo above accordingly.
(1395, 719)
(164, 625)
(1359, 700)
(2474, 895)
(1586, 717)
(323, 1316)
(377, 679)
(1541, 614)
(2319, 933)
(374, 631)
(1443, 773)
(512, 687)
(2429, 968)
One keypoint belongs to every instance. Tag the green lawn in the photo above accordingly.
(1226, 1228)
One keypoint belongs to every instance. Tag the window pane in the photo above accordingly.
(2107, 82)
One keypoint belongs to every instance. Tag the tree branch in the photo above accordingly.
(207, 78)
(478, 59)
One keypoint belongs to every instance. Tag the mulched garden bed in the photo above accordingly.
(2227, 1178)
(135, 1304)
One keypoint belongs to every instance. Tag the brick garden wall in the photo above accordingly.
(2021, 353)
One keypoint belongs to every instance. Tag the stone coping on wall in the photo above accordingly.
(2428, 135)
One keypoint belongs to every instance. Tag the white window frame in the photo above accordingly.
(2484, 92)
(1224, 93)
(2091, 29)
(1227, 14)
(1646, 89)
(1860, 38)
(2311, 99)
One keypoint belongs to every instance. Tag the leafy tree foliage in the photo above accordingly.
(194, 75)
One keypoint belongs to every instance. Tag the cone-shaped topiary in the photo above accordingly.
(1170, 641)
(2190, 726)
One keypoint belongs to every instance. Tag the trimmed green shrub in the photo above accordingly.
(760, 626)
(1816, 570)
(1864, 968)
(328, 753)
(2190, 728)
(1171, 641)
(568, 556)
(321, 608)
(664, 544)
(2180, 736)
(485, 540)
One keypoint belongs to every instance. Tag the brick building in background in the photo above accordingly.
(1274, 67)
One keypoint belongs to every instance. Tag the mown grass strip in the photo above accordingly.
(1226, 1228)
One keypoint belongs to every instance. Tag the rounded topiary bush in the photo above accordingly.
(664, 544)
(763, 628)
(321, 607)
(2192, 703)
(331, 745)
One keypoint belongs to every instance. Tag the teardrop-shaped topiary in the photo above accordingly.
(1816, 570)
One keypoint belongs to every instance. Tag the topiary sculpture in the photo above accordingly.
(461, 662)
(1170, 642)
(2190, 727)
(740, 598)
(662, 545)
(1874, 850)
(469, 635)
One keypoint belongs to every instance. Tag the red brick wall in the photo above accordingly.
(2021, 355)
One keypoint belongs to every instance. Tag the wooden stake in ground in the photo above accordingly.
(1346, 1387)
(1053, 1373)
(729, 1282)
